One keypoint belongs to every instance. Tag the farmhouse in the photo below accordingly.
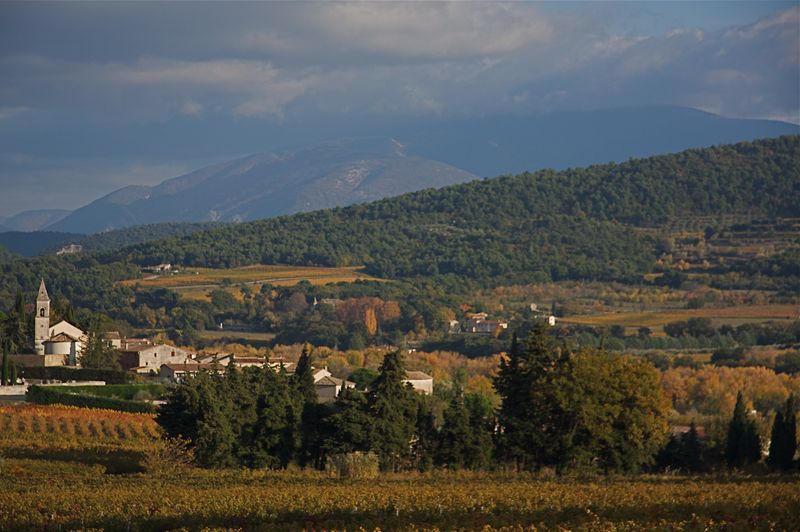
(421, 382)
(479, 324)
(150, 358)
(178, 372)
(329, 387)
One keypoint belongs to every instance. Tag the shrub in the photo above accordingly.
(353, 465)
(63, 373)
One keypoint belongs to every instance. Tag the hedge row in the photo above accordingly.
(45, 395)
(65, 373)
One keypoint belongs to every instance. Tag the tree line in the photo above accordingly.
(568, 410)
(587, 410)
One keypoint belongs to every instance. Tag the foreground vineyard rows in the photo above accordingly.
(55, 475)
(64, 498)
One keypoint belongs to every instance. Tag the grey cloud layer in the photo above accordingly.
(275, 60)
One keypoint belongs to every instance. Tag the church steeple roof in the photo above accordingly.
(42, 293)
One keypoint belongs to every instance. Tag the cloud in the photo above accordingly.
(404, 30)
(192, 108)
(10, 112)
(286, 61)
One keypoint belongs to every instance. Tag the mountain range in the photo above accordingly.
(394, 161)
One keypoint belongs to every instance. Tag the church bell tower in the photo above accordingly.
(42, 322)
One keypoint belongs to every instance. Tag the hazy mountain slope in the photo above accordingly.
(401, 158)
(268, 185)
(33, 220)
(570, 139)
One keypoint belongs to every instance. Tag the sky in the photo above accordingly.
(95, 96)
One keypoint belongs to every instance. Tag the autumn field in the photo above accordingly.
(197, 283)
(726, 315)
(45, 487)
(255, 274)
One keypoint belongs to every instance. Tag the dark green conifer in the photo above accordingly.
(743, 444)
(783, 441)
(455, 435)
(393, 412)
(480, 446)
(348, 427)
(425, 435)
(5, 375)
(526, 412)
(275, 435)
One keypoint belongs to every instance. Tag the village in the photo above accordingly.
(63, 343)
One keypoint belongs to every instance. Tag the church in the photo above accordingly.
(57, 345)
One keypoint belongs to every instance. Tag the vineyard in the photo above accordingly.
(727, 315)
(55, 475)
(297, 500)
(116, 440)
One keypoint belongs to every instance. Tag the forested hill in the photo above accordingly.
(575, 223)
(48, 242)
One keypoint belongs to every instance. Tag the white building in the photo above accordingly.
(62, 339)
(150, 358)
(420, 381)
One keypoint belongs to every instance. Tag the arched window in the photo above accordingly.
(41, 312)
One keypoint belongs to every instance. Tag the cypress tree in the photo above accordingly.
(790, 430)
(455, 434)
(348, 427)
(4, 377)
(18, 325)
(743, 445)
(425, 435)
(275, 435)
(783, 442)
(526, 412)
(305, 393)
(13, 373)
(393, 412)
(214, 439)
(303, 380)
(481, 425)
(692, 449)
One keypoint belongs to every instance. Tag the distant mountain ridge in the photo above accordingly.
(410, 158)
(268, 185)
(32, 220)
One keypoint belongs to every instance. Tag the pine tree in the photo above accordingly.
(393, 412)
